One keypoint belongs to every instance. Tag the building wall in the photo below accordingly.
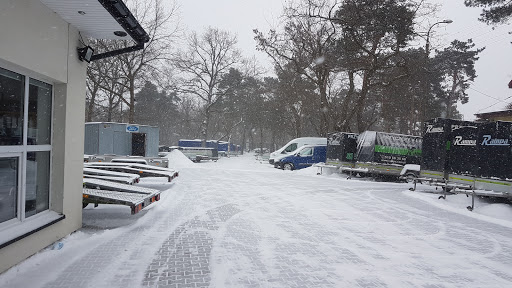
(36, 41)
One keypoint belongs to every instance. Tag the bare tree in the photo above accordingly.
(307, 44)
(147, 62)
(105, 84)
(93, 89)
(206, 58)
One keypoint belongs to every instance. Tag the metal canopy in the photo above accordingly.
(100, 19)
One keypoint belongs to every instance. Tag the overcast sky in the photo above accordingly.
(488, 93)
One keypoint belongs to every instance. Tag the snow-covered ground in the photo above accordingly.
(241, 223)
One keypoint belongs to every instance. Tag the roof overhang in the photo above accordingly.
(101, 19)
(487, 115)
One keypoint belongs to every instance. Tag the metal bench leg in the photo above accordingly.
(470, 208)
(413, 188)
(444, 193)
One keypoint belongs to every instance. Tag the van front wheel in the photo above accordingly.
(288, 166)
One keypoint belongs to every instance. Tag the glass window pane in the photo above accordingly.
(38, 182)
(291, 147)
(306, 152)
(39, 113)
(11, 107)
(8, 188)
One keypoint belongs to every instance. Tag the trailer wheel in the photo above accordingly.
(288, 166)
(84, 204)
(410, 177)
(447, 190)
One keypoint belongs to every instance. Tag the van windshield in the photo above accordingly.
(290, 148)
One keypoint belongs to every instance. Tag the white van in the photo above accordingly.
(294, 144)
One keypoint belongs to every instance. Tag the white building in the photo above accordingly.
(42, 104)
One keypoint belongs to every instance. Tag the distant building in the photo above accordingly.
(505, 115)
(121, 139)
(43, 64)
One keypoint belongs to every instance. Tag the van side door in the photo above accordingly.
(305, 158)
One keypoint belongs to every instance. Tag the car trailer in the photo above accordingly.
(106, 192)
(112, 183)
(465, 157)
(136, 201)
(139, 169)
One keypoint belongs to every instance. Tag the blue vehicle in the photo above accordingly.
(303, 157)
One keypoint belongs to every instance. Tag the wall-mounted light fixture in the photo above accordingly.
(120, 33)
(85, 53)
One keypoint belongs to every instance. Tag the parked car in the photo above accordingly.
(303, 157)
(294, 144)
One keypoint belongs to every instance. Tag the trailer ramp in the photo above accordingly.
(122, 180)
(133, 178)
(112, 186)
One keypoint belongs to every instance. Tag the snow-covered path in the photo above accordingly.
(240, 223)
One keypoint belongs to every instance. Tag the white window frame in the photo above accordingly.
(23, 150)
(15, 220)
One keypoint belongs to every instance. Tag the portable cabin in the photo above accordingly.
(103, 138)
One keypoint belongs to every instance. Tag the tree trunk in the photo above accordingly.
(344, 121)
(90, 108)
(204, 126)
(244, 130)
(131, 112)
(261, 137)
(450, 99)
(324, 111)
(359, 109)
